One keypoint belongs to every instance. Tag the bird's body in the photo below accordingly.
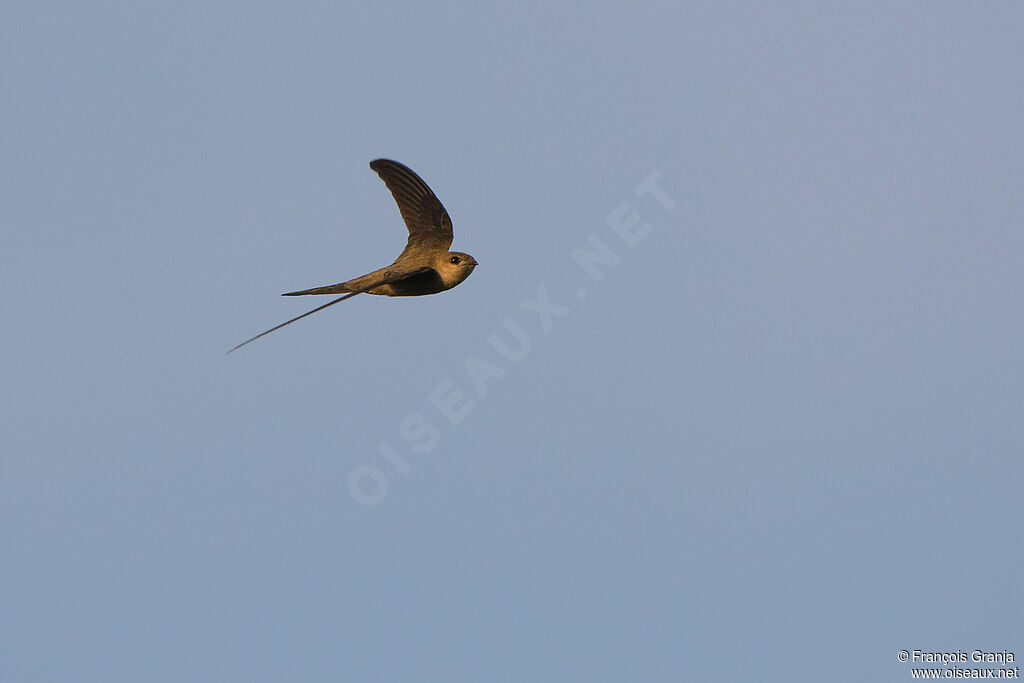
(424, 267)
(423, 273)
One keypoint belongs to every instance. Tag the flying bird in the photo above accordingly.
(425, 266)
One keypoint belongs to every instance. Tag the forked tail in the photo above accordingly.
(298, 317)
(340, 288)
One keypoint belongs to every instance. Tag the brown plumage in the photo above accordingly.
(425, 266)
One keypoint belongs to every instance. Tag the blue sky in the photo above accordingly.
(778, 438)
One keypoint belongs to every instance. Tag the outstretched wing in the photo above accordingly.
(365, 283)
(428, 222)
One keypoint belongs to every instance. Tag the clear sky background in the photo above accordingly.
(779, 439)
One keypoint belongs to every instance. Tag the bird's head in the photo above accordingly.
(454, 267)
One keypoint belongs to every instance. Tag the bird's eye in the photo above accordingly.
(455, 260)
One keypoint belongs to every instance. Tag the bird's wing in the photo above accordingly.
(365, 283)
(428, 222)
